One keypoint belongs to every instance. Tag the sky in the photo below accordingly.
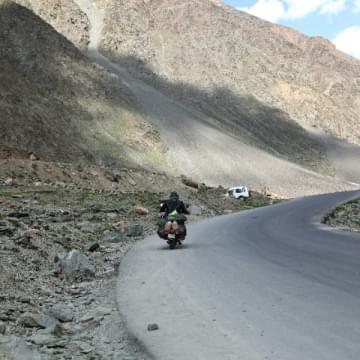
(336, 20)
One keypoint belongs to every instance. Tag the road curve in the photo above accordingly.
(263, 284)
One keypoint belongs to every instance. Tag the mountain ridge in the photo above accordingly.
(201, 44)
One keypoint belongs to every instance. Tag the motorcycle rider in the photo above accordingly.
(169, 206)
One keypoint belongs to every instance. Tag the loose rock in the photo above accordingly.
(189, 182)
(75, 266)
(94, 247)
(153, 327)
(42, 339)
(9, 182)
(38, 321)
(61, 313)
(195, 209)
(2, 328)
(139, 210)
(12, 347)
(135, 230)
(114, 237)
(84, 347)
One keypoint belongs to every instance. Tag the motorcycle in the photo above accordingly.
(172, 231)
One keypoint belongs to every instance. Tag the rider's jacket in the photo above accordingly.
(170, 205)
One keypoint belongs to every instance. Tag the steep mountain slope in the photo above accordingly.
(138, 37)
(211, 47)
(196, 145)
(211, 131)
(56, 103)
(65, 16)
(227, 55)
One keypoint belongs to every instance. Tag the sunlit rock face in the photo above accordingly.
(209, 47)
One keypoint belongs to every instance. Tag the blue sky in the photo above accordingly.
(336, 20)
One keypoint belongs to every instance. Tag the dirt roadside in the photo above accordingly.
(61, 242)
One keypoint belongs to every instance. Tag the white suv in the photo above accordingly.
(239, 192)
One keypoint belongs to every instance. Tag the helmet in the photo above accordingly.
(174, 195)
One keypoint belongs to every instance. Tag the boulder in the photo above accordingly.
(355, 219)
(95, 208)
(5, 229)
(113, 176)
(135, 230)
(94, 247)
(43, 339)
(84, 347)
(114, 237)
(12, 347)
(9, 182)
(121, 226)
(41, 321)
(75, 266)
(2, 328)
(189, 182)
(103, 311)
(61, 313)
(195, 209)
(33, 157)
(119, 208)
(18, 214)
(87, 226)
(139, 210)
(131, 181)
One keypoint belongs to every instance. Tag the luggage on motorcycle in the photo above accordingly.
(172, 228)
(161, 222)
(181, 218)
(175, 216)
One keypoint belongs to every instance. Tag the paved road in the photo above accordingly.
(265, 284)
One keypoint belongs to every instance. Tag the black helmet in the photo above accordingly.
(174, 195)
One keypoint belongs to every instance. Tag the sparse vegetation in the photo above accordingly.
(4, 193)
(345, 216)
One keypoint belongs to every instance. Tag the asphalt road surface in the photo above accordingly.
(264, 284)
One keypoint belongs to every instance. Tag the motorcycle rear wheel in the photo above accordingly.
(172, 244)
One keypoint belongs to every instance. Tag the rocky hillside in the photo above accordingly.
(65, 16)
(56, 103)
(217, 64)
(215, 57)
(345, 216)
(60, 252)
(261, 82)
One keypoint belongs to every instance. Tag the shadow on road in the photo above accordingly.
(178, 248)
